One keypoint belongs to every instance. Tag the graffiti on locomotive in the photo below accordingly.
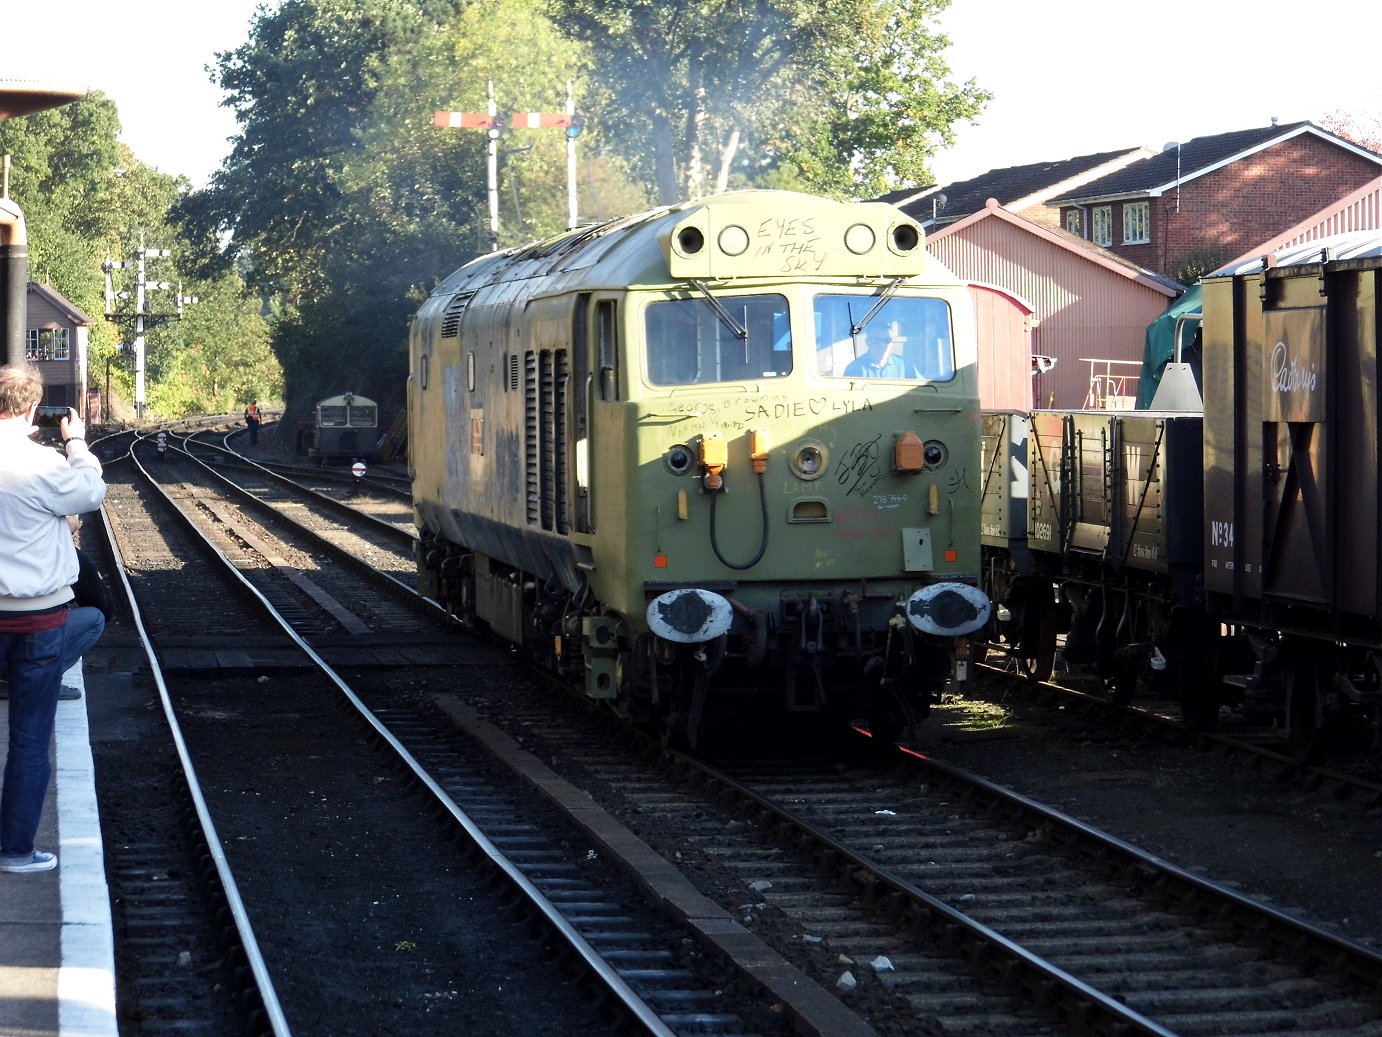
(716, 452)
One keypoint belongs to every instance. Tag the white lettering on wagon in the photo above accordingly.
(1291, 374)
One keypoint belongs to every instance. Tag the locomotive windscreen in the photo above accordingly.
(691, 343)
(907, 338)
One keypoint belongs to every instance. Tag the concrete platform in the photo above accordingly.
(57, 952)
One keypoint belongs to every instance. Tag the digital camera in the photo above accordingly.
(50, 416)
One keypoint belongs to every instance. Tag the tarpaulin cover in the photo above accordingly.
(1160, 349)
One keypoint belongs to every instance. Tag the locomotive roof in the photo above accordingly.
(340, 400)
(640, 250)
(1334, 248)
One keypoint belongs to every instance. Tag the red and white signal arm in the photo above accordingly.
(357, 469)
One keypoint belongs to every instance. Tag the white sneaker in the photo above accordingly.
(36, 861)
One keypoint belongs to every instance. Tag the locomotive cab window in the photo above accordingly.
(907, 338)
(736, 338)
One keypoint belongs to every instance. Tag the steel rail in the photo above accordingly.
(268, 996)
(637, 1009)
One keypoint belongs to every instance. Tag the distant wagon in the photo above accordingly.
(346, 429)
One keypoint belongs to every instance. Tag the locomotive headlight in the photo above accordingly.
(860, 238)
(809, 461)
(734, 240)
(679, 459)
(935, 454)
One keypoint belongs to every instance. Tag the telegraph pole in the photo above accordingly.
(140, 317)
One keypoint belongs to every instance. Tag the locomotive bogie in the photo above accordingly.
(649, 466)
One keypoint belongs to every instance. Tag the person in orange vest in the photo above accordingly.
(252, 419)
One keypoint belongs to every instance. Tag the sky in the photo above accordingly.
(1069, 77)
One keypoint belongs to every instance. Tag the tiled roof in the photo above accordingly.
(1007, 185)
(1150, 176)
(59, 302)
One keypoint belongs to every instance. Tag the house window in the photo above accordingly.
(1101, 219)
(1072, 222)
(1137, 223)
(46, 344)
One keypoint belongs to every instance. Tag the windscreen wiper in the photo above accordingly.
(884, 297)
(726, 318)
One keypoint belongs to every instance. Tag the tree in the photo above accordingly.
(304, 207)
(87, 199)
(843, 97)
(1362, 128)
(343, 202)
(65, 163)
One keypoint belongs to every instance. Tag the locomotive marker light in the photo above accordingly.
(706, 245)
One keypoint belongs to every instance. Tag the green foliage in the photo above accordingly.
(1195, 265)
(848, 98)
(87, 199)
(341, 203)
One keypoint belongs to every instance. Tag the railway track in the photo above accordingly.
(930, 894)
(294, 785)
(949, 962)
(1355, 777)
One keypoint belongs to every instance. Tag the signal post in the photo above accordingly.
(494, 125)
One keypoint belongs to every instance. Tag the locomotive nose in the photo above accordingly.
(949, 609)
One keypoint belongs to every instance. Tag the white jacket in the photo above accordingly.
(39, 488)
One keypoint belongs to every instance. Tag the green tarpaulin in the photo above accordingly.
(1160, 349)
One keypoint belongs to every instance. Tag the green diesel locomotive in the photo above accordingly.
(728, 446)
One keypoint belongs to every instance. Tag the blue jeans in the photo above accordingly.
(34, 663)
(84, 628)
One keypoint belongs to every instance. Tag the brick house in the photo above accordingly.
(55, 339)
(1359, 211)
(1021, 190)
(1193, 206)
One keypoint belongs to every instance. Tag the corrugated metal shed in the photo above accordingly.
(1090, 308)
(1357, 244)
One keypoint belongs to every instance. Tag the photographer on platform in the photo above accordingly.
(39, 488)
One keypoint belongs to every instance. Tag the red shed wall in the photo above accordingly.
(1005, 349)
(1082, 309)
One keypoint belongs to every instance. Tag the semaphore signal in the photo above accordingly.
(495, 124)
(572, 122)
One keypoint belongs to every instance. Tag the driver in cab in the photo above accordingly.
(882, 357)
